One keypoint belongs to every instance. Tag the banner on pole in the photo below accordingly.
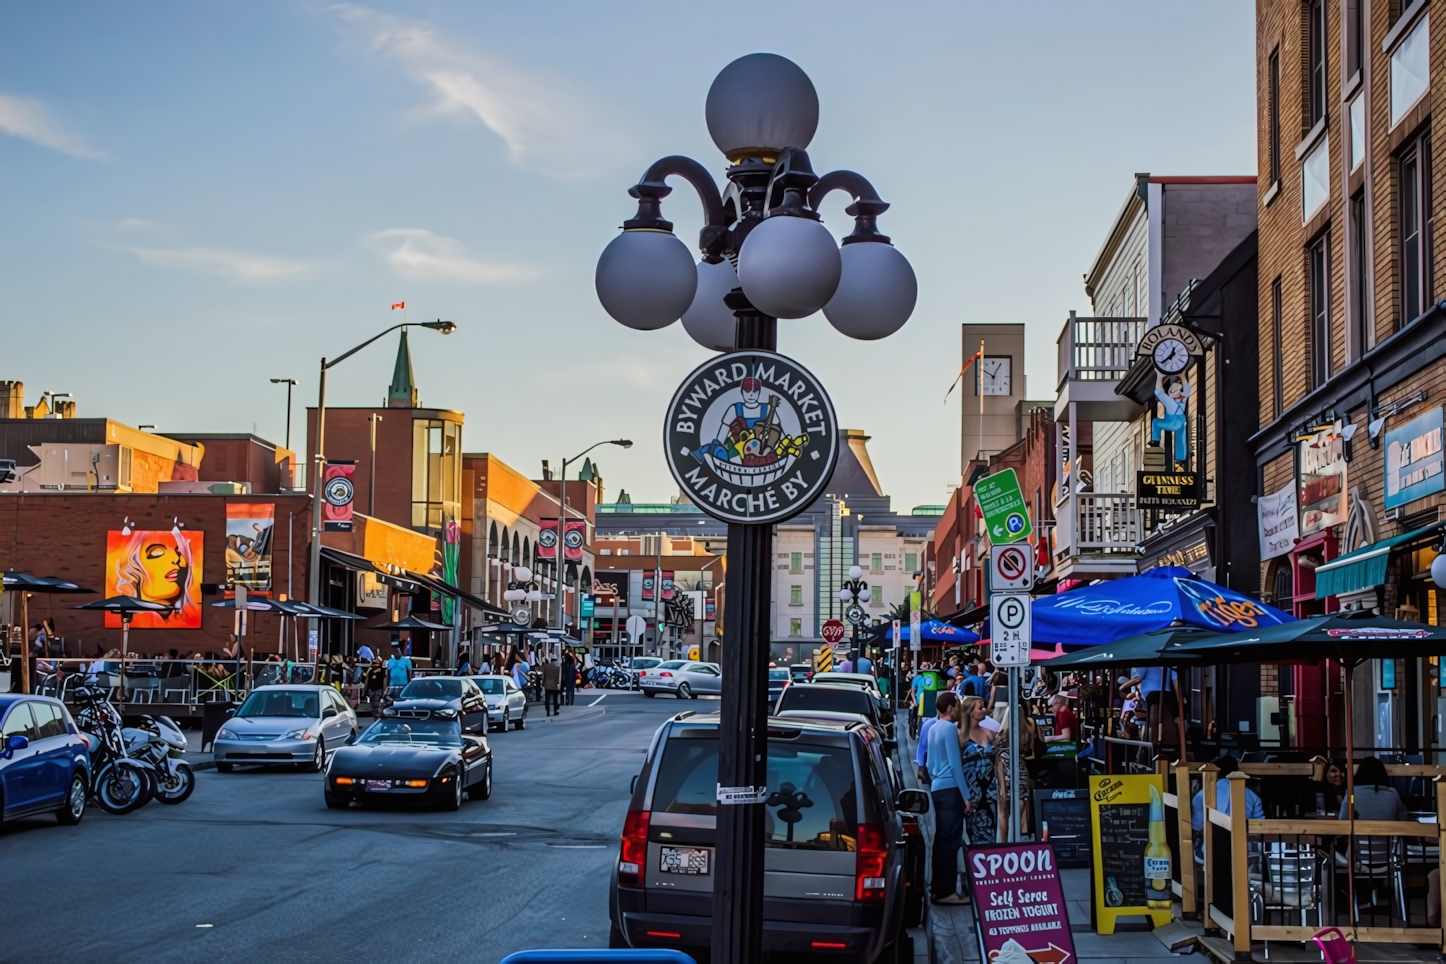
(649, 581)
(547, 539)
(338, 493)
(574, 535)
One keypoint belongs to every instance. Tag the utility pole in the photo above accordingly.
(372, 475)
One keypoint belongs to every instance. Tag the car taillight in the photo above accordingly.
(665, 673)
(633, 854)
(871, 854)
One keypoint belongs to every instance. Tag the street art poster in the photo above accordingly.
(1414, 460)
(1279, 527)
(249, 528)
(156, 565)
(1322, 479)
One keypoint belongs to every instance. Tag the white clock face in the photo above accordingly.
(996, 375)
(1171, 355)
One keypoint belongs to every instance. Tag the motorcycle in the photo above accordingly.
(119, 783)
(611, 678)
(160, 742)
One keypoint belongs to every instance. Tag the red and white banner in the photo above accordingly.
(547, 539)
(667, 584)
(649, 581)
(573, 536)
(338, 492)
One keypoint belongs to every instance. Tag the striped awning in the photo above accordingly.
(1365, 568)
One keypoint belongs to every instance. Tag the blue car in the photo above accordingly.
(44, 764)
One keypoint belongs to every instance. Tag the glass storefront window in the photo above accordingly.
(436, 472)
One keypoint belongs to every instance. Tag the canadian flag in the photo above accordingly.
(400, 304)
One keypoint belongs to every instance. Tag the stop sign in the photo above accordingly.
(832, 631)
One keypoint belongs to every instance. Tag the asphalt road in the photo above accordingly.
(254, 867)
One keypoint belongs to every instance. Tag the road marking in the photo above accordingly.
(598, 700)
(205, 925)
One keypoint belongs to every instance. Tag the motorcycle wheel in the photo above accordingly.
(180, 786)
(121, 790)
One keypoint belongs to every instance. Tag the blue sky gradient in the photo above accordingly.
(197, 197)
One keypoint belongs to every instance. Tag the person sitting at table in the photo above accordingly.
(1332, 789)
(1376, 799)
(1254, 809)
(1066, 724)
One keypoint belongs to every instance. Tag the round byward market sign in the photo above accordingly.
(751, 437)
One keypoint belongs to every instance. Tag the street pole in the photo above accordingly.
(1015, 734)
(372, 474)
(743, 718)
(317, 470)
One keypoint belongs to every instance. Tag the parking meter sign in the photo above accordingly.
(1009, 628)
(1011, 568)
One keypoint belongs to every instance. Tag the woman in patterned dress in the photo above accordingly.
(976, 751)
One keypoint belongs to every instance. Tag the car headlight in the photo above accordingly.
(445, 714)
(302, 734)
(225, 734)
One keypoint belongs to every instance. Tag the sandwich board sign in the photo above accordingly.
(1019, 904)
(1001, 502)
(1132, 859)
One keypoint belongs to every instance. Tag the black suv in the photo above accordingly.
(843, 874)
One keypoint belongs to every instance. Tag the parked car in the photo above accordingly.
(801, 672)
(866, 681)
(416, 753)
(458, 692)
(839, 698)
(682, 678)
(842, 867)
(637, 664)
(777, 680)
(44, 764)
(285, 724)
(506, 704)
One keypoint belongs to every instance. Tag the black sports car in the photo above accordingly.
(415, 752)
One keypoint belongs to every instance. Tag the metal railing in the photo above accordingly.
(1097, 349)
(1096, 522)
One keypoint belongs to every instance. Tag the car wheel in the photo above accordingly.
(684, 692)
(522, 722)
(225, 767)
(649, 694)
(454, 802)
(506, 719)
(482, 789)
(336, 803)
(74, 807)
(318, 760)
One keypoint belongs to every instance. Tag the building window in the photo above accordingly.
(123, 470)
(1414, 168)
(1315, 189)
(795, 627)
(1274, 118)
(911, 562)
(876, 562)
(1358, 131)
(436, 472)
(795, 595)
(1411, 69)
(1355, 38)
(1318, 258)
(1277, 364)
(876, 597)
(1315, 52)
(1360, 301)
(795, 562)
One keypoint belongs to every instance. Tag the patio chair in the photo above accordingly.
(1334, 948)
(1379, 863)
(143, 689)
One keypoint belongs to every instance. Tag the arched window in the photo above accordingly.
(516, 550)
(586, 579)
(1282, 588)
(492, 542)
(528, 556)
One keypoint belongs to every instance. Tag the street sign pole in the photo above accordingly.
(1010, 632)
(1015, 734)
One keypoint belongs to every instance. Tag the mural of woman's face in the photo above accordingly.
(165, 568)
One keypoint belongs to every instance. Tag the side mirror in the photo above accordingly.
(230, 713)
(20, 742)
(912, 801)
(330, 711)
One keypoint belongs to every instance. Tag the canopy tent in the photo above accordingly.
(1109, 611)
(1349, 637)
(936, 631)
(1160, 647)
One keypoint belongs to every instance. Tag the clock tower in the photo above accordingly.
(992, 390)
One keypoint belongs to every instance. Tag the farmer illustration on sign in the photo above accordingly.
(1173, 395)
(751, 446)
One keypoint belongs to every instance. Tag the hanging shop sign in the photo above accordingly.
(338, 493)
(249, 527)
(1132, 859)
(751, 437)
(371, 592)
(1170, 347)
(1322, 480)
(1414, 460)
(1172, 491)
(547, 539)
(612, 583)
(1279, 528)
(574, 535)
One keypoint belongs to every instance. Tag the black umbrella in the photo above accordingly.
(503, 628)
(315, 611)
(27, 583)
(411, 622)
(261, 604)
(1160, 647)
(127, 606)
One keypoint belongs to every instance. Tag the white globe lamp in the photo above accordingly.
(760, 104)
(521, 573)
(1438, 570)
(876, 291)
(645, 278)
(708, 320)
(855, 572)
(789, 267)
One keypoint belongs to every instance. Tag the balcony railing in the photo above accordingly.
(1096, 522)
(1098, 349)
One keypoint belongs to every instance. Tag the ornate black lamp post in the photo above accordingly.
(751, 436)
(853, 595)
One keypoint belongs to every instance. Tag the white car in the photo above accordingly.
(682, 678)
(506, 704)
(640, 663)
(296, 724)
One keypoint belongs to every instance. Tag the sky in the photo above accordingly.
(198, 197)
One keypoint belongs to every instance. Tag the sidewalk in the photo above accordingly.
(952, 935)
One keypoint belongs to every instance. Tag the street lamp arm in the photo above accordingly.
(332, 363)
(606, 441)
(867, 204)
(651, 189)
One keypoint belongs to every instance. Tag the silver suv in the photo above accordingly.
(843, 874)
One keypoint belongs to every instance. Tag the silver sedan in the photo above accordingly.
(285, 724)
(506, 704)
(682, 678)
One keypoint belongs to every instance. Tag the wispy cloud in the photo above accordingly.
(417, 253)
(28, 119)
(239, 266)
(546, 123)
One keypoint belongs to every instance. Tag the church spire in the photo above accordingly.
(403, 390)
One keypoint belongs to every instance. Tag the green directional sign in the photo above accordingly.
(1006, 516)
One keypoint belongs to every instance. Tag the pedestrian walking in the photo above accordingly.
(980, 790)
(399, 672)
(946, 789)
(552, 687)
(569, 677)
(376, 685)
(464, 662)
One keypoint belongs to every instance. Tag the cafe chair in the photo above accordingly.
(1380, 863)
(1334, 948)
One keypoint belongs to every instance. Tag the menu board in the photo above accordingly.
(1065, 815)
(1019, 904)
(1131, 855)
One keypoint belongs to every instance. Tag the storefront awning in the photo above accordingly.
(409, 581)
(1365, 568)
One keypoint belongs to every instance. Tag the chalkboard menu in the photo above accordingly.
(1124, 834)
(1066, 815)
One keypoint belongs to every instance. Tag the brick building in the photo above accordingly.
(1351, 375)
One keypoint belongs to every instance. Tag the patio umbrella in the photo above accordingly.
(1107, 611)
(127, 606)
(411, 622)
(26, 584)
(937, 631)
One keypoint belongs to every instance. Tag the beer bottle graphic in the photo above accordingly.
(1157, 857)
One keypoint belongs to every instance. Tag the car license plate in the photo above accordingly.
(379, 784)
(684, 860)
